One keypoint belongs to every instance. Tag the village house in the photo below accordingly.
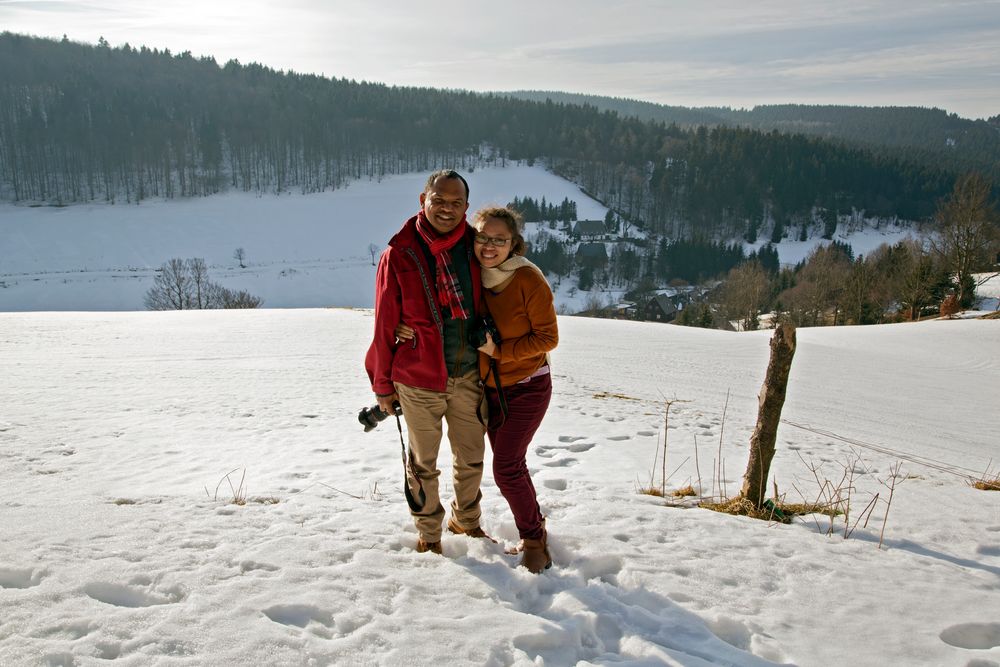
(594, 255)
(660, 308)
(589, 230)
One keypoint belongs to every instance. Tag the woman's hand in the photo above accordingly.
(404, 332)
(488, 348)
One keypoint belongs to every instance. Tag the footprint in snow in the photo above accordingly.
(108, 650)
(973, 636)
(306, 616)
(133, 597)
(19, 578)
(619, 438)
(561, 463)
(555, 484)
(571, 438)
(731, 631)
(581, 447)
(251, 566)
(71, 631)
(605, 568)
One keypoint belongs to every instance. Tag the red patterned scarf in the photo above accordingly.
(449, 291)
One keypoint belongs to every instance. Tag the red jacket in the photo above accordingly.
(405, 292)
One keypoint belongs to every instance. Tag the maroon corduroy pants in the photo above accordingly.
(510, 437)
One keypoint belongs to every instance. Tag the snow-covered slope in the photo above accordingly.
(301, 250)
(119, 542)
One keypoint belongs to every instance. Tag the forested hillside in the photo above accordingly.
(81, 122)
(928, 136)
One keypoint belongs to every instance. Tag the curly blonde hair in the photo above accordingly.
(508, 216)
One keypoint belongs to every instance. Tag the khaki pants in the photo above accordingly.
(423, 411)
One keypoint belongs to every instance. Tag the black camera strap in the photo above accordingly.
(415, 499)
(500, 395)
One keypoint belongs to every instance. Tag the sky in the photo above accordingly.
(726, 53)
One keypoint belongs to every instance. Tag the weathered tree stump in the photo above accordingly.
(772, 398)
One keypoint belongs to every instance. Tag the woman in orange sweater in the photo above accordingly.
(515, 369)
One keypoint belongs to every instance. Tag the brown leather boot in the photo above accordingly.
(535, 555)
(424, 546)
(454, 527)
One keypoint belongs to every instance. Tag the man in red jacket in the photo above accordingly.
(429, 279)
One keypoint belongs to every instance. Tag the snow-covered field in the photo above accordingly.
(301, 250)
(117, 428)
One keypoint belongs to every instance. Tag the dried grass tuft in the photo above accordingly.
(779, 512)
(987, 484)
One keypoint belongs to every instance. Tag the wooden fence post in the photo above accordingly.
(772, 398)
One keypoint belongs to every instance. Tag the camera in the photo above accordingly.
(370, 417)
(483, 325)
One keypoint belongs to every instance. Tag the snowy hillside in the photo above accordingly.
(301, 250)
(120, 543)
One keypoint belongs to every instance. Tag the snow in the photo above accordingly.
(988, 291)
(862, 242)
(117, 431)
(302, 250)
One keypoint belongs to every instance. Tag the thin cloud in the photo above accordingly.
(733, 52)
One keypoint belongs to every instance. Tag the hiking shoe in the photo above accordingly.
(471, 532)
(423, 547)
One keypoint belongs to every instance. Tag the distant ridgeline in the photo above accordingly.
(81, 123)
(920, 134)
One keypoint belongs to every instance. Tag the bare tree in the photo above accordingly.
(373, 251)
(240, 255)
(240, 299)
(171, 288)
(819, 287)
(184, 285)
(744, 294)
(918, 271)
(968, 234)
(198, 275)
(860, 298)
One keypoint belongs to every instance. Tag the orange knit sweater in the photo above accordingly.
(525, 315)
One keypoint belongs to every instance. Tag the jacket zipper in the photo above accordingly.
(461, 349)
(427, 292)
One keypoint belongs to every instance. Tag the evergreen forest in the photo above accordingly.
(915, 134)
(83, 122)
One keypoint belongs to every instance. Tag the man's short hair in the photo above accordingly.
(446, 173)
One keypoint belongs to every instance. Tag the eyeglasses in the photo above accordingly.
(495, 241)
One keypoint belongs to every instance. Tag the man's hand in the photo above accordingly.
(385, 402)
(404, 333)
